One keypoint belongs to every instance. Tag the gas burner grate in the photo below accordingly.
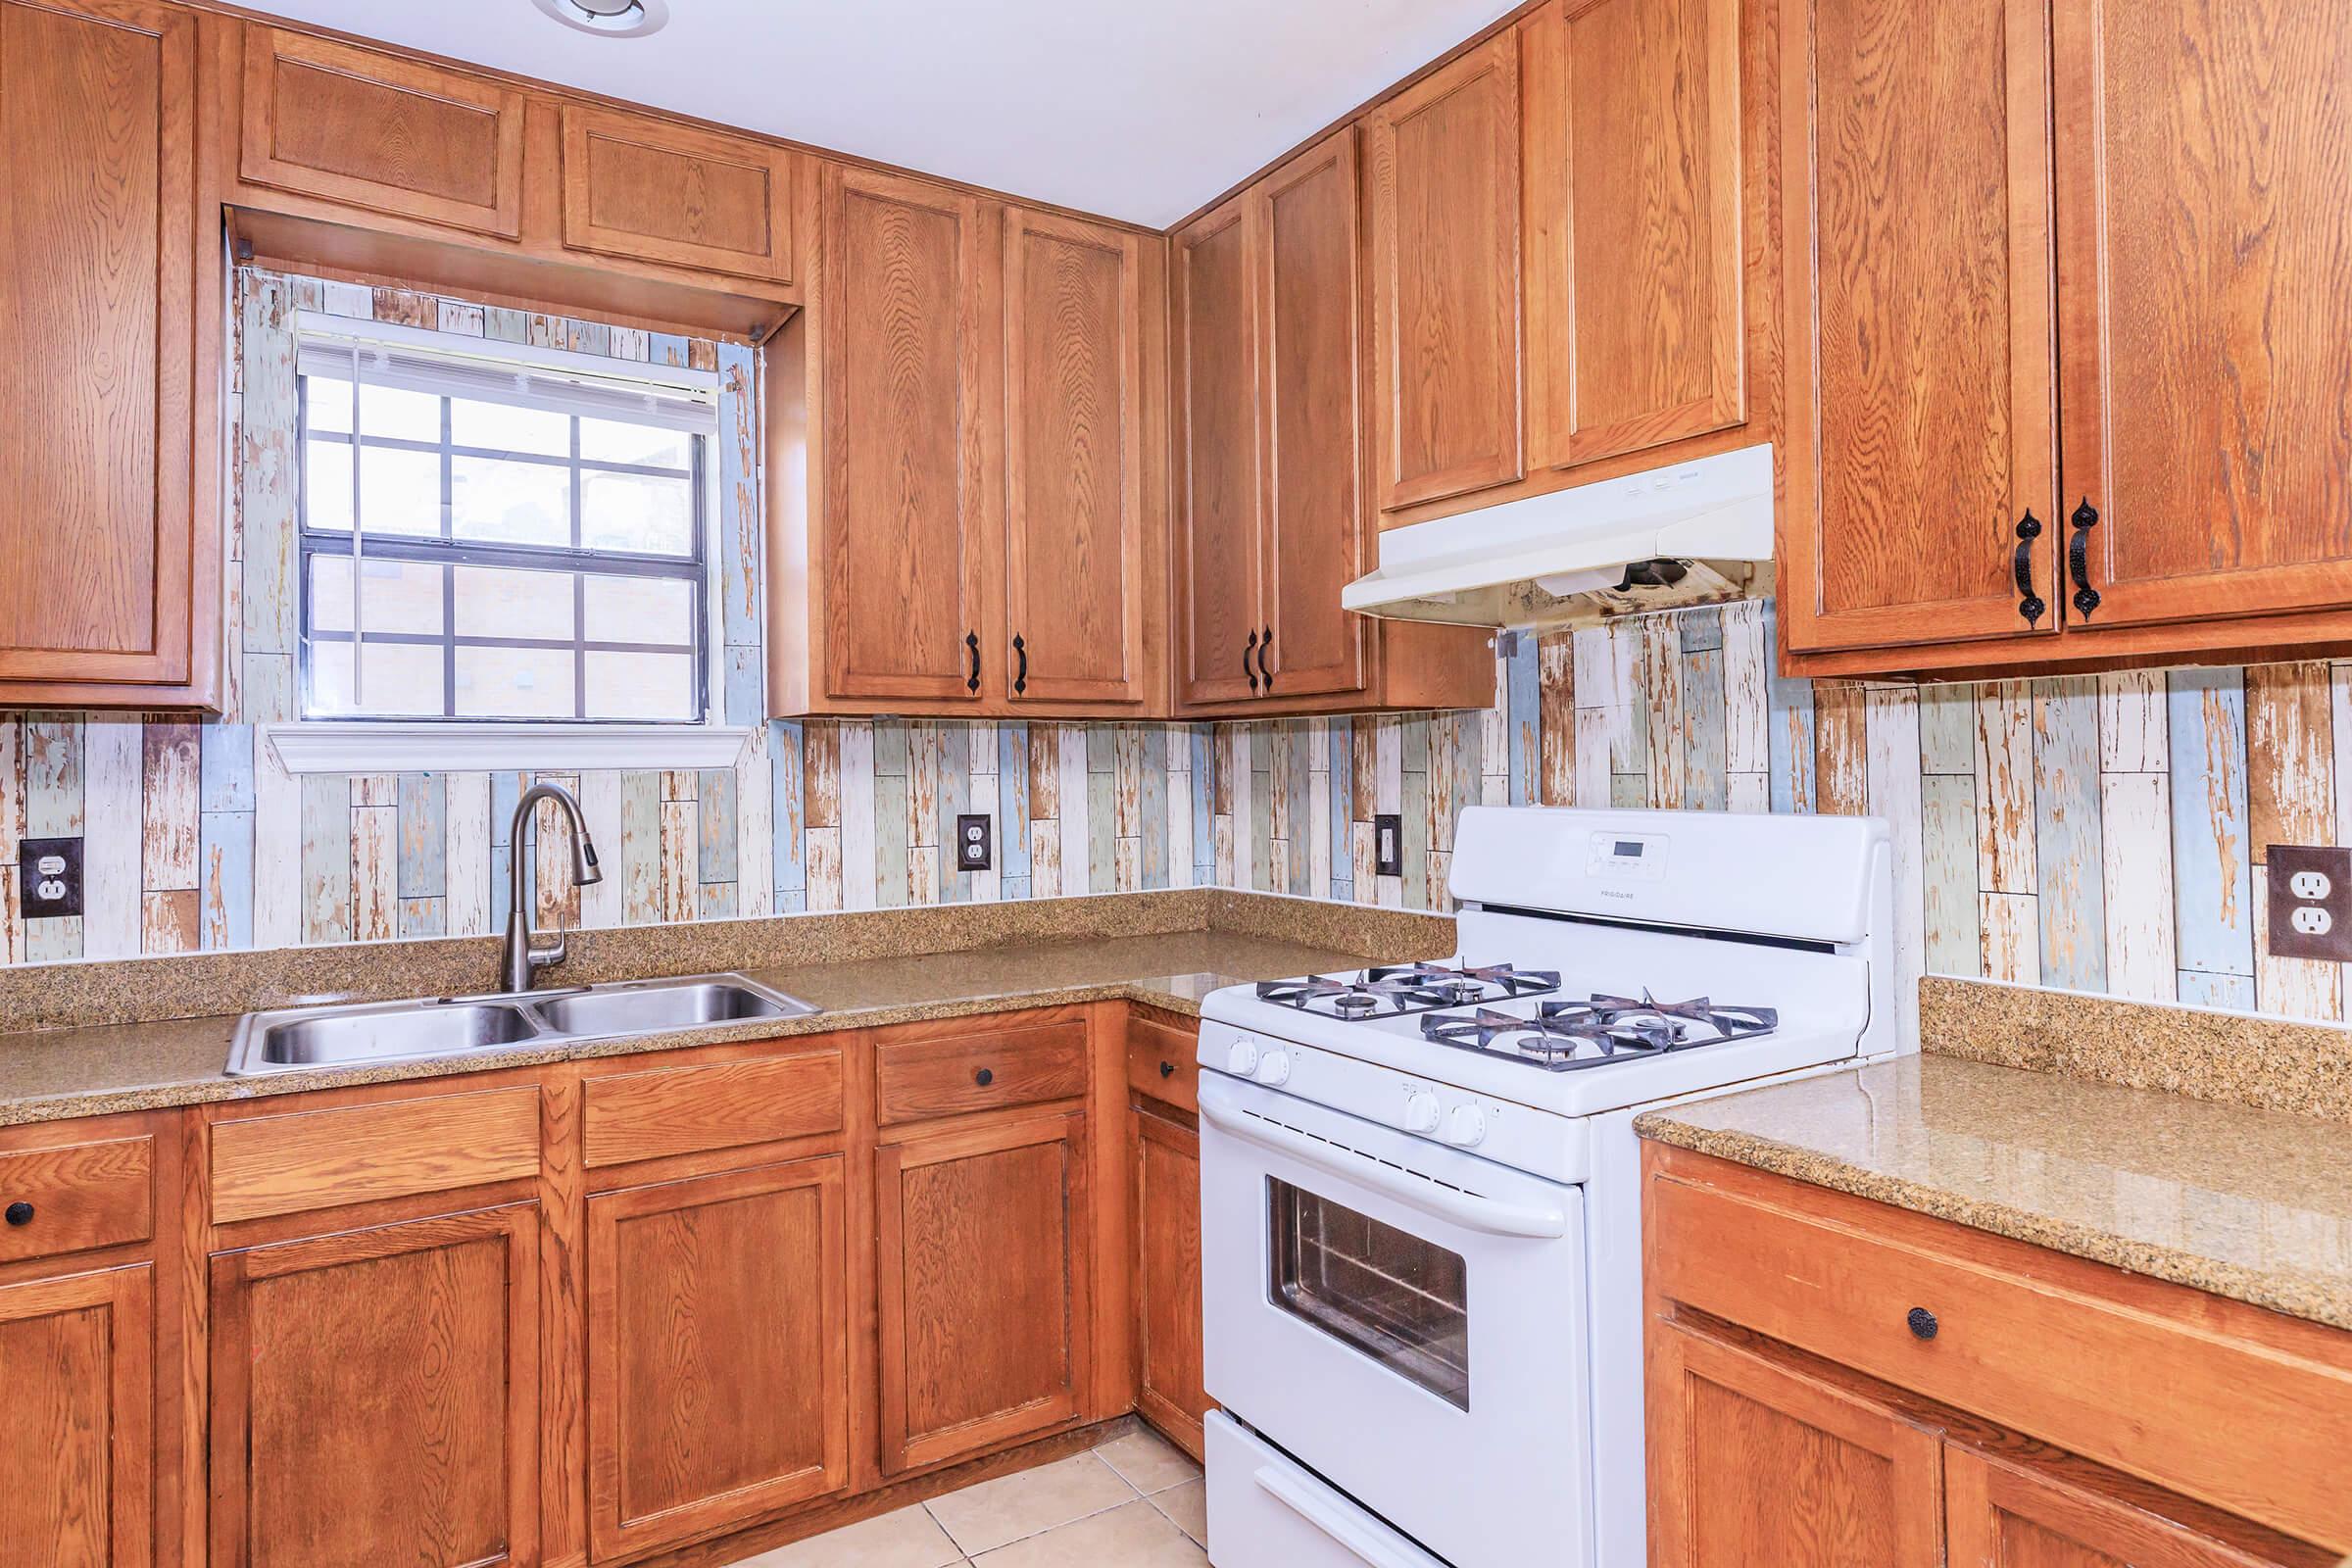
(1572, 1036)
(1395, 990)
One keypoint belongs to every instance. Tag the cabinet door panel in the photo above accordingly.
(2004, 1515)
(909, 518)
(1074, 513)
(645, 188)
(375, 1397)
(1750, 1463)
(75, 1360)
(394, 134)
(718, 1374)
(1311, 397)
(98, 551)
(1634, 307)
(2206, 287)
(1921, 373)
(1446, 279)
(1219, 502)
(983, 1254)
(1167, 1278)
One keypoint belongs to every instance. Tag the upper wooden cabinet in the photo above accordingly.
(1633, 244)
(384, 131)
(1074, 463)
(110, 326)
(1213, 266)
(658, 191)
(1444, 193)
(2188, 312)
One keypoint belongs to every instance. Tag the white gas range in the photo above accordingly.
(1421, 1187)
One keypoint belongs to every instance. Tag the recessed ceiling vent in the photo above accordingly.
(609, 19)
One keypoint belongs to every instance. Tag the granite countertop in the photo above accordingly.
(51, 1074)
(2244, 1201)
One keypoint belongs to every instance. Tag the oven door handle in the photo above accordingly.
(1318, 1511)
(1489, 1215)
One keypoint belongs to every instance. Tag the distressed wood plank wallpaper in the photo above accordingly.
(2102, 833)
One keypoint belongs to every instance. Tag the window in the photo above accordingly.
(485, 540)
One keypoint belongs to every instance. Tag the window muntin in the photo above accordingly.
(511, 562)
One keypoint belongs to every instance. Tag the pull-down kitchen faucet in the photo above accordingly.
(521, 961)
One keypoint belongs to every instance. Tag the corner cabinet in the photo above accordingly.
(1271, 522)
(110, 357)
(2075, 320)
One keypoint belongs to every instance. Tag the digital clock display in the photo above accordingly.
(1629, 849)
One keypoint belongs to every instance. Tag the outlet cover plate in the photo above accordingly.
(2310, 902)
(49, 878)
(1387, 845)
(974, 848)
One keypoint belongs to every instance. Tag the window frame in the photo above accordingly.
(446, 551)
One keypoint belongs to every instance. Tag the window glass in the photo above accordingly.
(1396, 1299)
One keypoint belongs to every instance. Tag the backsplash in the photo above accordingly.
(2100, 833)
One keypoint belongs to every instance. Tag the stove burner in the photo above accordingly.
(1393, 990)
(1572, 1036)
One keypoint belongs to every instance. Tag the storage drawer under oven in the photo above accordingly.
(1265, 1510)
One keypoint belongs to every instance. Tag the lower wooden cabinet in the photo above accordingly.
(76, 1403)
(984, 1251)
(375, 1397)
(718, 1385)
(1167, 1278)
(2006, 1515)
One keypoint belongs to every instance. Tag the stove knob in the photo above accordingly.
(1274, 1068)
(1467, 1128)
(1421, 1111)
(1241, 1058)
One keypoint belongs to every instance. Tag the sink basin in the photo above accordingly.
(426, 1029)
(651, 1007)
(399, 1031)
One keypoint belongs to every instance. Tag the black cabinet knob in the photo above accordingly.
(984, 1077)
(19, 1213)
(1167, 1069)
(1922, 1322)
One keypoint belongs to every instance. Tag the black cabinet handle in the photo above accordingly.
(2030, 604)
(1248, 648)
(984, 1077)
(1167, 1069)
(1922, 1322)
(2078, 556)
(19, 1213)
(1020, 673)
(1263, 668)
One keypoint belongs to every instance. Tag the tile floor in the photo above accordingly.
(1134, 1502)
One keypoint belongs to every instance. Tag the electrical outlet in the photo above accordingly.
(1388, 845)
(2311, 903)
(974, 850)
(49, 878)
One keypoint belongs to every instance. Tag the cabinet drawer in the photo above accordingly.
(2130, 1372)
(77, 1197)
(1163, 1063)
(361, 1154)
(982, 1071)
(726, 1104)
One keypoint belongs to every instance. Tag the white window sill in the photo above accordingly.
(332, 746)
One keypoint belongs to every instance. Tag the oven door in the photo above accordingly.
(1407, 1320)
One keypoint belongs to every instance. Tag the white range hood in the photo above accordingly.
(1694, 532)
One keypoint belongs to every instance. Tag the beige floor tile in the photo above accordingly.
(995, 1512)
(1137, 1536)
(1187, 1506)
(908, 1538)
(1149, 1463)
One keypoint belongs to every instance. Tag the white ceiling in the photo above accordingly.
(1135, 108)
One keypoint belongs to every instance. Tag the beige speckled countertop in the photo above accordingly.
(93, 1069)
(2244, 1201)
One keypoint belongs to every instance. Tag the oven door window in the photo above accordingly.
(1394, 1297)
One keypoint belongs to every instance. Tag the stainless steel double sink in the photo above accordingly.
(358, 1033)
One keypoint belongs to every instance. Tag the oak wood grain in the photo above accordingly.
(714, 1106)
(1218, 563)
(638, 186)
(1163, 1063)
(84, 1196)
(1022, 1064)
(301, 1161)
(2006, 1514)
(1168, 1321)
(77, 1358)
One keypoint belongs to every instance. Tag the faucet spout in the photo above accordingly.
(521, 961)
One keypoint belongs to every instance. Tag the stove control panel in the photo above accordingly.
(1467, 1128)
(1638, 857)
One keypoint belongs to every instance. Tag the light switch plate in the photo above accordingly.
(49, 878)
(974, 851)
(2310, 902)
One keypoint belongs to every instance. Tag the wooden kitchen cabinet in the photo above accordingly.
(77, 1422)
(1271, 519)
(718, 1383)
(1636, 331)
(985, 1255)
(2009, 1514)
(1167, 1278)
(1445, 264)
(376, 1395)
(656, 191)
(110, 328)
